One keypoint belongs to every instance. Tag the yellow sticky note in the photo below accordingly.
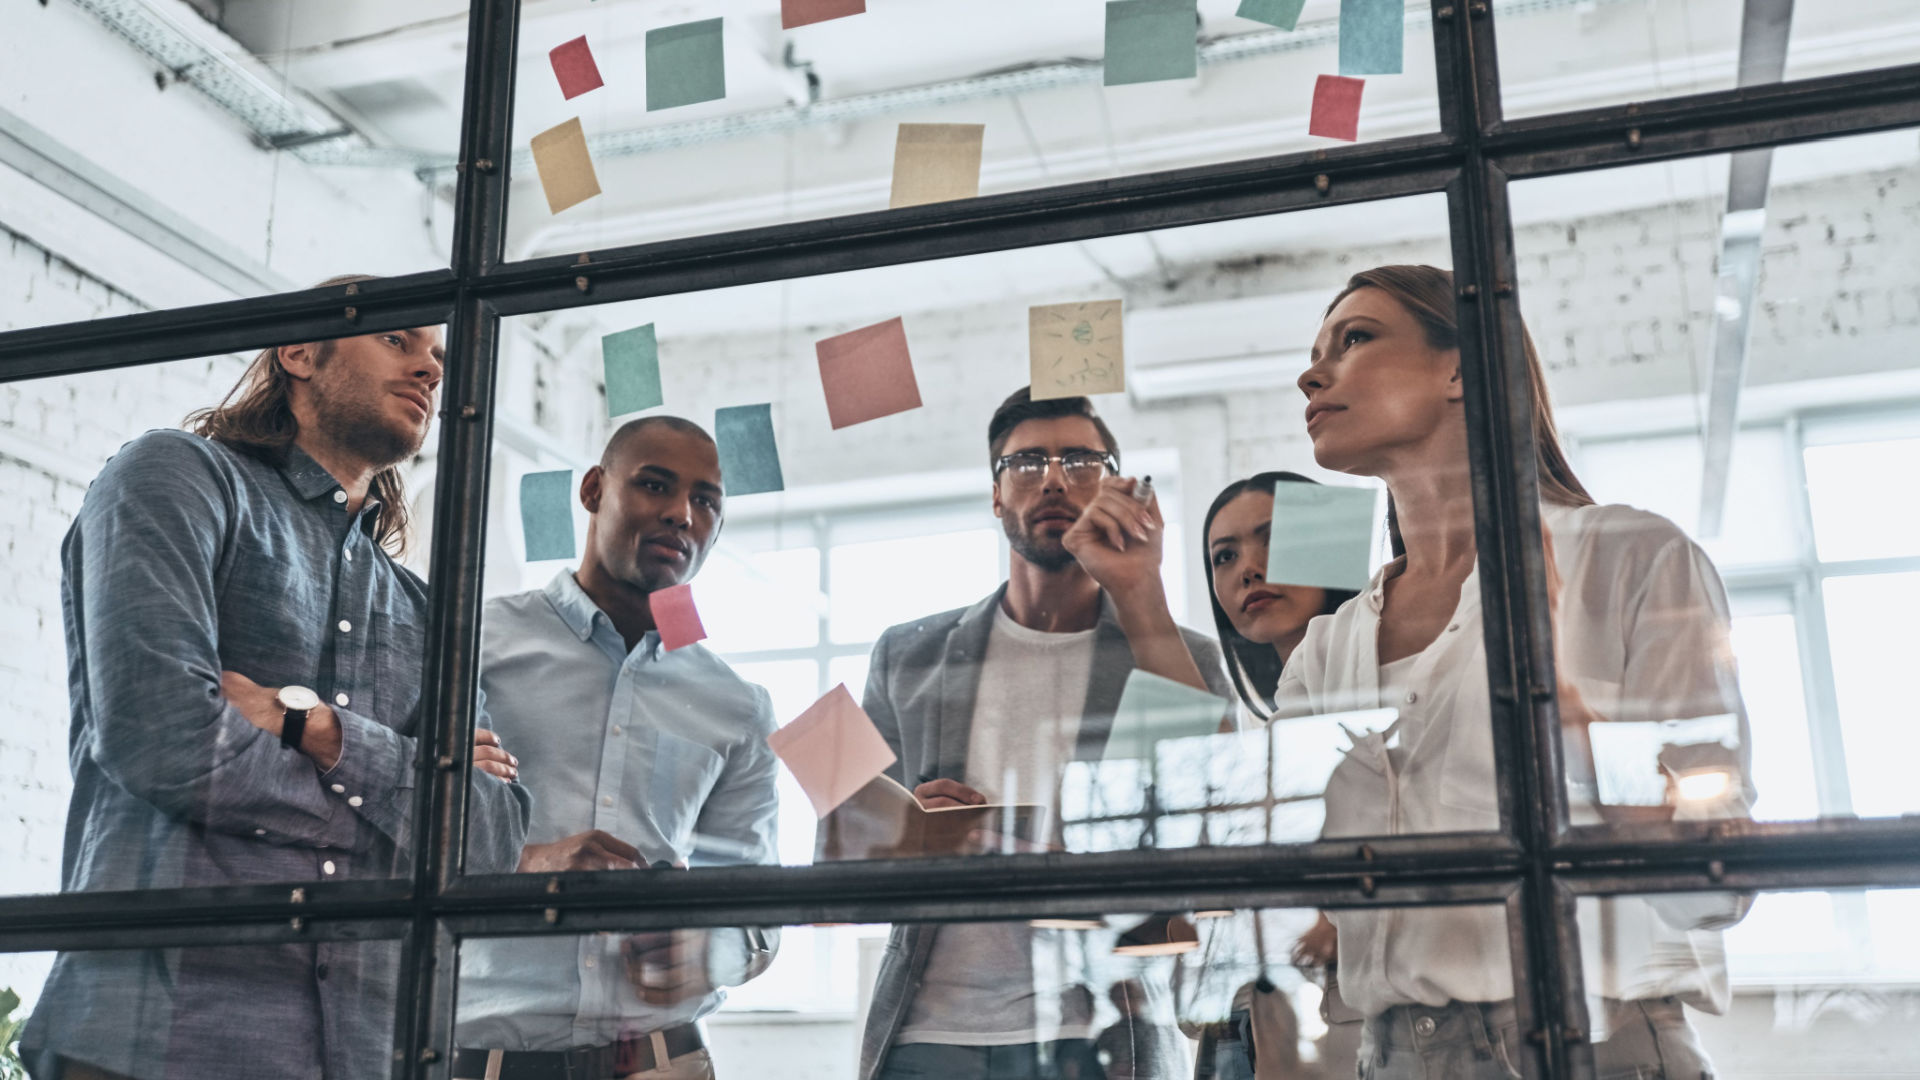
(566, 171)
(936, 163)
(1075, 349)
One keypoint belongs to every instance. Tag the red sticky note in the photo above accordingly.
(1336, 107)
(867, 374)
(833, 749)
(802, 12)
(675, 617)
(573, 65)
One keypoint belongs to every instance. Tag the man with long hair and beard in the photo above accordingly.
(244, 658)
(993, 702)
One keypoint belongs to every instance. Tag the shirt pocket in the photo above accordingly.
(684, 773)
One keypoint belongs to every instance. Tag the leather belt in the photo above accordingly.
(624, 1058)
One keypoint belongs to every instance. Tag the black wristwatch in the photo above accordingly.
(298, 701)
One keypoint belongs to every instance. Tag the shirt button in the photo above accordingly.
(346, 627)
(339, 496)
(616, 729)
(348, 555)
(606, 800)
(327, 866)
(340, 700)
(354, 800)
(339, 789)
(259, 832)
(1412, 697)
(1452, 628)
(592, 963)
(1424, 1026)
(320, 972)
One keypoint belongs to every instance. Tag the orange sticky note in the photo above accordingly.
(674, 616)
(804, 12)
(573, 65)
(1336, 107)
(566, 169)
(833, 749)
(867, 374)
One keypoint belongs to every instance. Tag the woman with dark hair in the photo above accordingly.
(1259, 623)
(1641, 633)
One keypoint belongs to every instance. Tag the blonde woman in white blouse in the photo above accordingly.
(1641, 635)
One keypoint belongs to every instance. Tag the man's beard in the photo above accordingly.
(355, 423)
(1051, 556)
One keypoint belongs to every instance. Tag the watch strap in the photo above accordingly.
(293, 726)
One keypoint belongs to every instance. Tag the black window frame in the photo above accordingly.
(1537, 866)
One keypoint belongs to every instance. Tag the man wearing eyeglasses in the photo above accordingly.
(991, 703)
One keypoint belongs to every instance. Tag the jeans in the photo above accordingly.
(1066, 1059)
(1231, 1060)
(1650, 1040)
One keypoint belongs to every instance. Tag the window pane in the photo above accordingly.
(1768, 648)
(1854, 516)
(794, 684)
(764, 600)
(880, 583)
(1873, 644)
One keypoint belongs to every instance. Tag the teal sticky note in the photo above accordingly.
(1151, 40)
(631, 359)
(1322, 536)
(749, 462)
(685, 65)
(1284, 14)
(546, 514)
(1373, 36)
(1153, 709)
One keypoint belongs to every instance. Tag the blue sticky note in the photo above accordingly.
(1322, 536)
(546, 514)
(1284, 14)
(749, 462)
(1151, 40)
(1373, 36)
(685, 65)
(1153, 708)
(631, 359)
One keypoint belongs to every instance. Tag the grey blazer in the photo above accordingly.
(920, 693)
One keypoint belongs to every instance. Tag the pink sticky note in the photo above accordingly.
(867, 374)
(675, 617)
(802, 12)
(833, 749)
(1336, 107)
(573, 65)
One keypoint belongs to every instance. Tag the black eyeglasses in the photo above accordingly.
(1082, 468)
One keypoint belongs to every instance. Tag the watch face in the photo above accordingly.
(298, 697)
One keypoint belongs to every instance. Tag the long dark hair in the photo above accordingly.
(256, 418)
(1255, 667)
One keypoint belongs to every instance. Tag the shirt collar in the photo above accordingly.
(582, 615)
(310, 479)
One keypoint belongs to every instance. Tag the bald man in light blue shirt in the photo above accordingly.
(637, 756)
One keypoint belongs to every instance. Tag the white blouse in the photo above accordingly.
(1644, 637)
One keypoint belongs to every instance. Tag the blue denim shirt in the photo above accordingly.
(189, 558)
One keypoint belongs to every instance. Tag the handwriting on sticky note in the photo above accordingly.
(749, 460)
(1151, 40)
(936, 163)
(566, 170)
(675, 617)
(573, 66)
(1322, 536)
(631, 360)
(1373, 36)
(833, 749)
(806, 12)
(1076, 349)
(867, 373)
(1284, 14)
(1336, 107)
(546, 514)
(685, 65)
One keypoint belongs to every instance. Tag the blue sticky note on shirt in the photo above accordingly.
(1322, 536)
(546, 514)
(631, 359)
(1284, 14)
(1373, 36)
(685, 65)
(749, 462)
(1151, 40)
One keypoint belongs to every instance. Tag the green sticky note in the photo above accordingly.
(546, 514)
(1284, 14)
(1322, 536)
(1153, 709)
(632, 362)
(685, 65)
(749, 462)
(1373, 36)
(1151, 40)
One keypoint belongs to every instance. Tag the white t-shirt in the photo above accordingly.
(1005, 983)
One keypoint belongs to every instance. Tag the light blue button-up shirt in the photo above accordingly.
(665, 750)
